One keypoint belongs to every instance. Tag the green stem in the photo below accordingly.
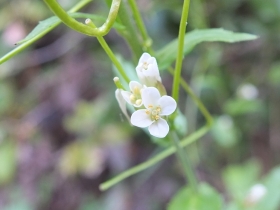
(82, 28)
(109, 52)
(179, 60)
(189, 173)
(40, 35)
(147, 41)
(131, 33)
(113, 58)
(197, 101)
(164, 154)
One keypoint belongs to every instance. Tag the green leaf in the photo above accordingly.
(167, 55)
(271, 200)
(206, 198)
(40, 28)
(30, 41)
(181, 123)
(240, 178)
(235, 107)
(225, 132)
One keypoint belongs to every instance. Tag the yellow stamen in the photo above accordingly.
(138, 102)
(132, 97)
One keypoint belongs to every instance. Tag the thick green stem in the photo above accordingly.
(147, 41)
(189, 173)
(179, 60)
(24, 45)
(82, 28)
(164, 154)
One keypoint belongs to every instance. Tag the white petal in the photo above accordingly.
(168, 105)
(152, 71)
(145, 57)
(159, 128)
(126, 95)
(121, 102)
(152, 60)
(150, 96)
(134, 84)
(139, 71)
(140, 119)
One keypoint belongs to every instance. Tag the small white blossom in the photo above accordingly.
(156, 107)
(248, 92)
(256, 193)
(134, 97)
(147, 70)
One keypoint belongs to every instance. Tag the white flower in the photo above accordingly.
(156, 107)
(121, 102)
(147, 70)
(134, 97)
(248, 92)
(256, 193)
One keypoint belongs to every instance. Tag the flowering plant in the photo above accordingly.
(149, 106)
(141, 96)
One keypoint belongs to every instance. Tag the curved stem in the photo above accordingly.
(197, 101)
(147, 41)
(40, 35)
(109, 52)
(179, 60)
(162, 155)
(82, 28)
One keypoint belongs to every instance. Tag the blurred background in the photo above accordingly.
(62, 132)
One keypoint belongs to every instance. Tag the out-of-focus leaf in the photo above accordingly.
(167, 55)
(181, 124)
(50, 22)
(87, 116)
(6, 97)
(224, 131)
(240, 106)
(7, 162)
(206, 198)
(271, 201)
(233, 206)
(83, 158)
(274, 74)
(90, 204)
(240, 178)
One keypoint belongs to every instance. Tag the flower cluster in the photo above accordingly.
(148, 97)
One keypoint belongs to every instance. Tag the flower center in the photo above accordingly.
(153, 112)
(135, 97)
(145, 65)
